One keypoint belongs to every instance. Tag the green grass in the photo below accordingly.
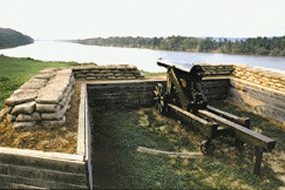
(118, 164)
(16, 71)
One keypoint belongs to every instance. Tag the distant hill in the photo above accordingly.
(11, 38)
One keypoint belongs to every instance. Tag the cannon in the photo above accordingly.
(183, 98)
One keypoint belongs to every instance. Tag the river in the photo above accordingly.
(144, 59)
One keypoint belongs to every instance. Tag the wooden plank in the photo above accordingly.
(257, 161)
(46, 174)
(5, 185)
(208, 129)
(28, 159)
(35, 154)
(271, 108)
(88, 146)
(183, 99)
(262, 96)
(240, 84)
(36, 182)
(242, 133)
(245, 121)
(81, 121)
(170, 153)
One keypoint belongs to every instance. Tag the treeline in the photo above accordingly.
(274, 46)
(10, 38)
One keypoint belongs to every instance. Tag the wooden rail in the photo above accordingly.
(245, 121)
(209, 129)
(242, 133)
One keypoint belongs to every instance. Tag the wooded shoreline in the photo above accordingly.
(272, 46)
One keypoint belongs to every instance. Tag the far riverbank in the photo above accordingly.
(144, 59)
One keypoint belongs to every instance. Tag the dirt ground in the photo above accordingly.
(54, 139)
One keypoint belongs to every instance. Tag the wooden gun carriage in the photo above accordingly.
(183, 97)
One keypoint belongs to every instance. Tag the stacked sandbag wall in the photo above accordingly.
(217, 69)
(54, 99)
(44, 99)
(109, 72)
(261, 76)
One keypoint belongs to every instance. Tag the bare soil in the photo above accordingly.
(53, 139)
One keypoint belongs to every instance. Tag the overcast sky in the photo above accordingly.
(73, 19)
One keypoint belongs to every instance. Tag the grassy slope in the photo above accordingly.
(16, 71)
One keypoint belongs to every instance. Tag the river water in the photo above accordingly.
(144, 59)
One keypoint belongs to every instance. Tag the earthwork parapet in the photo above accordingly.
(46, 97)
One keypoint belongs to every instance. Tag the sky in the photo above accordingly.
(79, 19)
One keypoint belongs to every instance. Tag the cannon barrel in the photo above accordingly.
(192, 69)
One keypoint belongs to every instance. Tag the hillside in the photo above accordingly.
(10, 38)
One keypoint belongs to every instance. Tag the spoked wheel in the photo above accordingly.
(207, 147)
(158, 98)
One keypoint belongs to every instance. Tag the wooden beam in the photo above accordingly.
(257, 160)
(209, 129)
(242, 133)
(245, 121)
(183, 99)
